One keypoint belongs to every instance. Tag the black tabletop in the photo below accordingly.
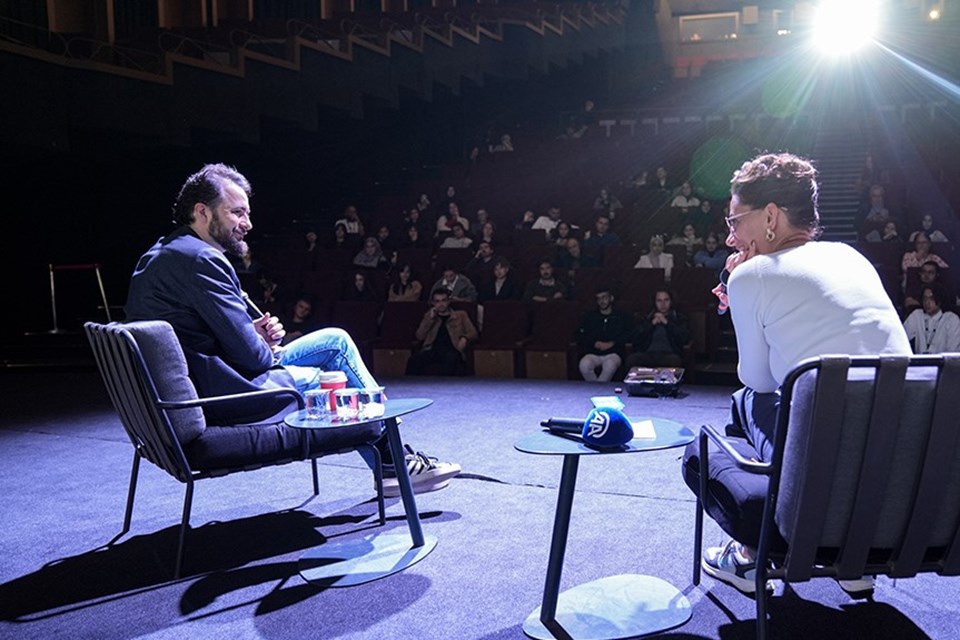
(668, 434)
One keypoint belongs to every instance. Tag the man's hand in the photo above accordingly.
(659, 318)
(462, 343)
(270, 330)
(603, 345)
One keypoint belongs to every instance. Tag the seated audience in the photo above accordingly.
(359, 290)
(371, 256)
(927, 226)
(404, 288)
(445, 334)
(703, 217)
(921, 254)
(480, 267)
(503, 285)
(929, 274)
(414, 218)
(930, 329)
(656, 258)
(570, 258)
(685, 201)
(459, 239)
(601, 337)
(387, 242)
(661, 335)
(712, 256)
(351, 221)
(300, 322)
(504, 146)
(526, 220)
(546, 287)
(607, 203)
(560, 234)
(482, 217)
(445, 222)
(459, 286)
(549, 221)
(689, 240)
(415, 240)
(601, 236)
(488, 233)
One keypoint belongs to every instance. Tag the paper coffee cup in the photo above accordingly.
(333, 380)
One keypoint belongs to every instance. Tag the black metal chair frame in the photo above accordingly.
(144, 417)
(805, 558)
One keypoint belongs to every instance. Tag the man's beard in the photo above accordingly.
(225, 238)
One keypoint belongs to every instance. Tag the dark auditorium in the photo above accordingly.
(480, 319)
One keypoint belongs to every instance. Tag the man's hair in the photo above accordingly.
(936, 292)
(439, 291)
(502, 262)
(931, 263)
(603, 288)
(784, 179)
(206, 186)
(665, 290)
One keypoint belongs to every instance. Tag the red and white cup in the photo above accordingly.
(333, 380)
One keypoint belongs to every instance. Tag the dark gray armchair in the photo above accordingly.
(145, 372)
(865, 477)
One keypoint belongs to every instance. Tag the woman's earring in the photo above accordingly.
(770, 235)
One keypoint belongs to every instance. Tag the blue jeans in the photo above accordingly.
(325, 350)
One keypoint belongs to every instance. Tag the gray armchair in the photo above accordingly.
(864, 480)
(145, 372)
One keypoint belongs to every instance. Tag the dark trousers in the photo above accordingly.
(734, 497)
(443, 362)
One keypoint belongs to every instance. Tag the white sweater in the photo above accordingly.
(938, 333)
(817, 299)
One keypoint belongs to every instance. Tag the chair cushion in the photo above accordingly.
(168, 369)
(229, 448)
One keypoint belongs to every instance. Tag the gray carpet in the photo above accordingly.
(64, 467)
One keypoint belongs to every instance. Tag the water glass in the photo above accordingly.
(347, 402)
(318, 404)
(371, 401)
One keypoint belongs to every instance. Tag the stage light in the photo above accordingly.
(934, 14)
(841, 27)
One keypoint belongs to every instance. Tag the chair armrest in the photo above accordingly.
(260, 393)
(750, 466)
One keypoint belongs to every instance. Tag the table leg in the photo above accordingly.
(349, 563)
(403, 478)
(558, 542)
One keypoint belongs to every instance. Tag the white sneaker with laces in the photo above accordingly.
(426, 473)
(729, 564)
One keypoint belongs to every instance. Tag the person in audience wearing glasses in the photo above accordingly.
(929, 274)
(601, 337)
(230, 346)
(930, 328)
(791, 298)
(444, 334)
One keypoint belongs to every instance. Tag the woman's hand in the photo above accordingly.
(734, 260)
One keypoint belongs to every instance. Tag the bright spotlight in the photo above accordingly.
(843, 26)
(934, 14)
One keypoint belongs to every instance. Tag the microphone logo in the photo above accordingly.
(598, 424)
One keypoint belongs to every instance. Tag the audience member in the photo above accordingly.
(560, 234)
(480, 267)
(371, 256)
(449, 196)
(601, 236)
(502, 286)
(481, 217)
(301, 321)
(423, 204)
(689, 240)
(570, 258)
(504, 146)
(445, 334)
(929, 274)
(446, 222)
(387, 243)
(359, 289)
(601, 337)
(526, 220)
(488, 233)
(351, 221)
(404, 288)
(459, 286)
(927, 227)
(712, 256)
(685, 201)
(341, 239)
(459, 239)
(703, 218)
(930, 329)
(921, 254)
(415, 240)
(607, 203)
(661, 335)
(414, 218)
(656, 258)
(546, 287)
(227, 350)
(549, 221)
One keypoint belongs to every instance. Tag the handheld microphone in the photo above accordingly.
(251, 307)
(604, 427)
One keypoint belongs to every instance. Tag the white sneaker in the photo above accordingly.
(728, 564)
(861, 588)
(426, 473)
